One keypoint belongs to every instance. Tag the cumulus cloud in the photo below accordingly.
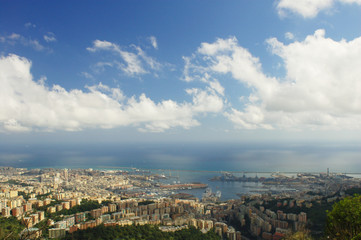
(308, 8)
(226, 56)
(320, 90)
(133, 62)
(26, 105)
(193, 72)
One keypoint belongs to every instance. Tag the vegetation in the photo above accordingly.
(10, 228)
(344, 221)
(300, 235)
(353, 191)
(316, 214)
(148, 232)
(25, 195)
(85, 205)
(43, 196)
(14, 182)
(145, 202)
(43, 226)
(236, 223)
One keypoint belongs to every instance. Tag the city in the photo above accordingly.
(50, 203)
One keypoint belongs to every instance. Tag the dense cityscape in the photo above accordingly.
(55, 203)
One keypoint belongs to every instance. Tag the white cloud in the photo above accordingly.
(29, 25)
(153, 41)
(217, 87)
(152, 63)
(192, 72)
(251, 118)
(26, 105)
(35, 44)
(87, 75)
(226, 56)
(133, 64)
(220, 46)
(42, 80)
(100, 66)
(320, 90)
(308, 8)
(205, 101)
(15, 38)
(50, 37)
(103, 45)
(187, 76)
(289, 36)
(137, 62)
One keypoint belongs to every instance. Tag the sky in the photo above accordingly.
(180, 71)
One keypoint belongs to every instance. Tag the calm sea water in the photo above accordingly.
(229, 190)
(196, 157)
(211, 157)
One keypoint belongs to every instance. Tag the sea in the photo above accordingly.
(192, 162)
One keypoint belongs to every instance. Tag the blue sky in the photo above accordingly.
(180, 70)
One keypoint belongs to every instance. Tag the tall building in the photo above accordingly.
(66, 175)
(6, 212)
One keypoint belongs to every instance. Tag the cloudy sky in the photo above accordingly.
(180, 70)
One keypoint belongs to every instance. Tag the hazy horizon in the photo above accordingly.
(187, 156)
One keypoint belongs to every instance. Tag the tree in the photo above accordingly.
(10, 228)
(140, 232)
(300, 235)
(344, 220)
